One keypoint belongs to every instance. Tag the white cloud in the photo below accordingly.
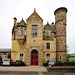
(24, 8)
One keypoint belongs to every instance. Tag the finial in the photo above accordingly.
(47, 22)
(34, 9)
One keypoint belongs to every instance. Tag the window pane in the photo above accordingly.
(34, 30)
(47, 32)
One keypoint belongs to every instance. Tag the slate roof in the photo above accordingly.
(5, 50)
(53, 28)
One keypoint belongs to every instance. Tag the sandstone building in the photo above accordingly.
(35, 43)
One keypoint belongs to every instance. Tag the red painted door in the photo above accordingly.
(34, 59)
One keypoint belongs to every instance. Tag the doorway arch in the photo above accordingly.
(34, 57)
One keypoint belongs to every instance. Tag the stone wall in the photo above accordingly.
(60, 22)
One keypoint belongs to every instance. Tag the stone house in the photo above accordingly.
(35, 43)
(5, 53)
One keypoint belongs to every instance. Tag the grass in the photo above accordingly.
(71, 59)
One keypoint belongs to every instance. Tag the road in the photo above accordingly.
(33, 73)
(28, 70)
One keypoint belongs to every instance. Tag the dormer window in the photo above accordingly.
(21, 31)
(34, 29)
(47, 32)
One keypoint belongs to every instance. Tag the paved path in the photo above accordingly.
(24, 68)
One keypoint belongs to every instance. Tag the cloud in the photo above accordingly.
(24, 8)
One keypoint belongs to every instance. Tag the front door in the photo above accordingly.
(34, 57)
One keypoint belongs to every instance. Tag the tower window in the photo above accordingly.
(60, 57)
(34, 30)
(47, 32)
(47, 45)
(21, 31)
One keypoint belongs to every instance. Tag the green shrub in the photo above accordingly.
(60, 63)
(46, 64)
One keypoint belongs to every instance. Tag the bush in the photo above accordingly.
(24, 64)
(46, 64)
(59, 63)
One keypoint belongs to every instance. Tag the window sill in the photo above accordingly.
(48, 49)
(34, 35)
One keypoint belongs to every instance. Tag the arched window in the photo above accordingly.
(22, 56)
(60, 57)
(60, 24)
(47, 32)
(47, 56)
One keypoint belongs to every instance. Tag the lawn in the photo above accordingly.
(71, 59)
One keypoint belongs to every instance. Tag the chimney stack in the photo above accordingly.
(15, 19)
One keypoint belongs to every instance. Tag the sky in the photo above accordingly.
(24, 8)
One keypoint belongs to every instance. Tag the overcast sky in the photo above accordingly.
(23, 9)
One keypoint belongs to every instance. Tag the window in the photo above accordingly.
(22, 56)
(47, 45)
(60, 57)
(60, 24)
(47, 32)
(47, 57)
(4, 57)
(21, 31)
(25, 31)
(34, 30)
